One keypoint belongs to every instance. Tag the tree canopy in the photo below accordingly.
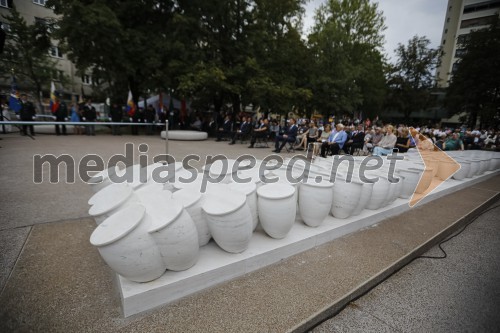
(475, 85)
(411, 79)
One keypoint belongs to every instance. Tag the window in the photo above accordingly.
(459, 53)
(481, 6)
(475, 22)
(445, 31)
(54, 51)
(40, 2)
(448, 20)
(455, 68)
(444, 41)
(4, 3)
(87, 79)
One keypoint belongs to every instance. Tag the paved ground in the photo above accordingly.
(52, 279)
(460, 293)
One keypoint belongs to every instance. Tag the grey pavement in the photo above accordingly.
(460, 293)
(52, 279)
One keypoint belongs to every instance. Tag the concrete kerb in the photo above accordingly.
(339, 304)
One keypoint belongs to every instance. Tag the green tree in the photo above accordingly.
(246, 52)
(345, 41)
(411, 79)
(26, 53)
(475, 85)
(123, 43)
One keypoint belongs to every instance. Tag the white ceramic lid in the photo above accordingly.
(246, 188)
(152, 199)
(163, 215)
(276, 191)
(221, 200)
(312, 182)
(136, 175)
(187, 196)
(194, 184)
(100, 176)
(109, 198)
(217, 168)
(151, 186)
(117, 225)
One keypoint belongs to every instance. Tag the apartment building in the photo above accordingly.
(32, 11)
(462, 17)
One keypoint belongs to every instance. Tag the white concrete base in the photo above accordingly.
(216, 266)
(184, 135)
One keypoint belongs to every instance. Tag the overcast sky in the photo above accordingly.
(404, 19)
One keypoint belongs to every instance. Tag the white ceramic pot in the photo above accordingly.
(250, 190)
(229, 219)
(111, 199)
(411, 179)
(474, 168)
(277, 209)
(484, 164)
(366, 194)
(315, 201)
(379, 193)
(192, 200)
(126, 246)
(175, 235)
(345, 196)
(464, 170)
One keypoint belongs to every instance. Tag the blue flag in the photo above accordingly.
(14, 102)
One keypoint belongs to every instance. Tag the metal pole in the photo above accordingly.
(166, 136)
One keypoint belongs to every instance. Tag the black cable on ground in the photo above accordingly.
(455, 235)
(423, 257)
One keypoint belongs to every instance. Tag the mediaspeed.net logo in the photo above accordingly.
(433, 158)
(121, 168)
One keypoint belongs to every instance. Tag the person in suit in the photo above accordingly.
(225, 129)
(116, 115)
(244, 129)
(289, 136)
(89, 115)
(356, 140)
(335, 142)
(27, 113)
(261, 132)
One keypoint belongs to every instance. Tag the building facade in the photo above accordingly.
(76, 85)
(462, 17)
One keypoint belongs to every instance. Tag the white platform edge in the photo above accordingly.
(216, 266)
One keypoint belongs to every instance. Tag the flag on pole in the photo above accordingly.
(54, 104)
(130, 105)
(14, 102)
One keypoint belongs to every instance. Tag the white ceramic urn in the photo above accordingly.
(250, 190)
(277, 208)
(175, 235)
(315, 201)
(229, 218)
(346, 196)
(379, 193)
(192, 200)
(111, 199)
(126, 246)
